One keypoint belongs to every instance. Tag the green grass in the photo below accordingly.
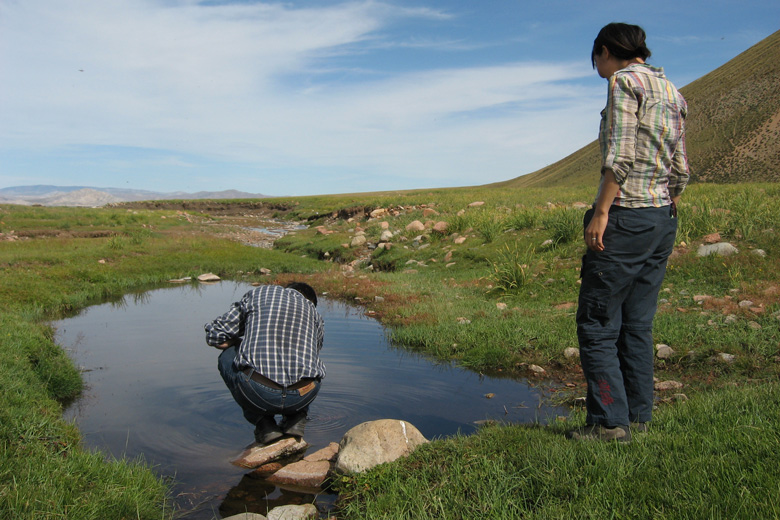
(713, 456)
(44, 470)
(497, 292)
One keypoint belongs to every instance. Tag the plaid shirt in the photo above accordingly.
(642, 137)
(281, 331)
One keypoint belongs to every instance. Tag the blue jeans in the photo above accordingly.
(258, 401)
(617, 304)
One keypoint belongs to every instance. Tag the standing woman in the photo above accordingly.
(629, 232)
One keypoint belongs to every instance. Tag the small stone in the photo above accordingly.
(358, 240)
(536, 369)
(476, 204)
(208, 277)
(571, 352)
(501, 306)
(294, 512)
(462, 321)
(459, 240)
(754, 325)
(415, 225)
(668, 385)
(547, 242)
(664, 351)
(727, 358)
(759, 252)
(731, 318)
(721, 248)
(580, 401)
(712, 238)
(490, 396)
(745, 304)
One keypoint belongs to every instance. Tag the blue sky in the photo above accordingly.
(314, 97)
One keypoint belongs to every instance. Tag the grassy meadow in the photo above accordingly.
(496, 291)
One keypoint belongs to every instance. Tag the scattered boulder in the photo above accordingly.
(358, 240)
(720, 248)
(571, 352)
(668, 385)
(375, 442)
(440, 227)
(415, 225)
(386, 236)
(663, 351)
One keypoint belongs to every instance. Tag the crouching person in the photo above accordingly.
(270, 342)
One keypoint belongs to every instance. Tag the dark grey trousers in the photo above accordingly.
(617, 304)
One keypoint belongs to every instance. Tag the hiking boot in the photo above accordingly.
(640, 427)
(267, 431)
(598, 432)
(294, 424)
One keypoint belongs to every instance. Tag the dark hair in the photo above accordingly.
(305, 289)
(622, 40)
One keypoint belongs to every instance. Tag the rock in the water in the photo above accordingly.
(304, 473)
(246, 516)
(329, 453)
(376, 442)
(293, 512)
(256, 455)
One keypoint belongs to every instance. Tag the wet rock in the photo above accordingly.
(246, 516)
(329, 453)
(721, 248)
(293, 512)
(256, 455)
(208, 277)
(375, 442)
(181, 280)
(304, 473)
(668, 385)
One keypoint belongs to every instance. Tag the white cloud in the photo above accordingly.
(245, 83)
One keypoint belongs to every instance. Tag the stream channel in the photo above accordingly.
(153, 391)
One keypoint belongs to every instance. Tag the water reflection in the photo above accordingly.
(154, 391)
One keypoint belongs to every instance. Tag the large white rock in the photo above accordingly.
(376, 442)
(293, 512)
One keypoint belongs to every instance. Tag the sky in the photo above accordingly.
(317, 97)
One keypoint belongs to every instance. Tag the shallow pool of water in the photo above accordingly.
(153, 390)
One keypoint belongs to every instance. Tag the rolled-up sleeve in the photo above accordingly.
(680, 171)
(619, 128)
(227, 327)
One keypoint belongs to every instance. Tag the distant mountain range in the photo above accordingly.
(94, 197)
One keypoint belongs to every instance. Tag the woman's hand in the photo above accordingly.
(594, 233)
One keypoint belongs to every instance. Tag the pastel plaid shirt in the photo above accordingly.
(282, 334)
(642, 137)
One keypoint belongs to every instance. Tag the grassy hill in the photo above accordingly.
(733, 128)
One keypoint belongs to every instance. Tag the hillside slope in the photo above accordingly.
(733, 128)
